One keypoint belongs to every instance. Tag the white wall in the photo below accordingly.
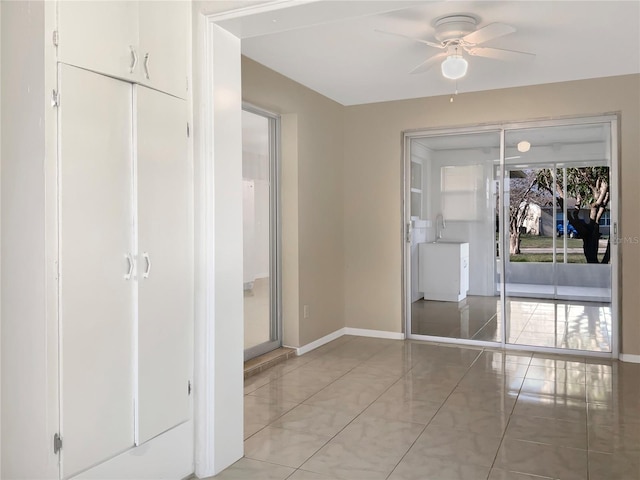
(248, 233)
(219, 301)
(0, 238)
(29, 407)
(419, 227)
(255, 173)
(472, 219)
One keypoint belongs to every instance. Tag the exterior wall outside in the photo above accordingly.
(373, 190)
(316, 255)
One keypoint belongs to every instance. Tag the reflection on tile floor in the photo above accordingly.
(365, 408)
(533, 322)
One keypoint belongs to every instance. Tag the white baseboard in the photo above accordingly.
(358, 332)
(167, 456)
(627, 357)
(364, 332)
(321, 341)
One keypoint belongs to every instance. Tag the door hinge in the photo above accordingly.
(55, 98)
(408, 233)
(188, 130)
(57, 443)
(55, 38)
(189, 387)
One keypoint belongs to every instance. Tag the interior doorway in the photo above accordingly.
(511, 235)
(261, 232)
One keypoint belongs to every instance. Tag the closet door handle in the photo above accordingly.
(146, 65)
(145, 255)
(134, 59)
(129, 257)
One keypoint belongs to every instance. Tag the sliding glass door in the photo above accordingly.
(558, 208)
(452, 229)
(511, 235)
(262, 324)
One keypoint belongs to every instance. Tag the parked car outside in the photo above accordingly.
(573, 233)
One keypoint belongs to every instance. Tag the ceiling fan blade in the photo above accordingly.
(489, 32)
(428, 63)
(426, 42)
(500, 54)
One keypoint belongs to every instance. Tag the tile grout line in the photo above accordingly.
(414, 366)
(363, 410)
(504, 434)
(434, 415)
(302, 403)
(350, 422)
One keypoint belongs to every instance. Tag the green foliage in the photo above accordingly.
(583, 183)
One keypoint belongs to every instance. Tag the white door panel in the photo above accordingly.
(163, 37)
(98, 36)
(96, 306)
(165, 252)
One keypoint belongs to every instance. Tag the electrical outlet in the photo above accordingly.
(305, 310)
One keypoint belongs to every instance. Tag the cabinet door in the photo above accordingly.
(165, 275)
(96, 294)
(164, 30)
(99, 36)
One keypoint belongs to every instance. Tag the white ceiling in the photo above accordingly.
(332, 47)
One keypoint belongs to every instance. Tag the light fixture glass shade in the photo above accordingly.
(524, 146)
(454, 67)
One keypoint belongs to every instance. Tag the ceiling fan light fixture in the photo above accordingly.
(454, 67)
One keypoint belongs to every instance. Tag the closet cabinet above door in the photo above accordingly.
(144, 42)
(100, 36)
(163, 45)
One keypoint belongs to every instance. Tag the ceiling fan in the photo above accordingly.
(458, 34)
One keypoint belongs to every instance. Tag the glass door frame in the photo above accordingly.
(500, 128)
(275, 237)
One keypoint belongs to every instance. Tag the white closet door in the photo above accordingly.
(164, 29)
(165, 273)
(96, 297)
(100, 36)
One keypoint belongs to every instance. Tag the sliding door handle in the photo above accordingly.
(131, 261)
(146, 273)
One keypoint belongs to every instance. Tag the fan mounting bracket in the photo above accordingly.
(454, 27)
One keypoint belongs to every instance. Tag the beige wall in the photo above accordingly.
(349, 163)
(312, 181)
(372, 181)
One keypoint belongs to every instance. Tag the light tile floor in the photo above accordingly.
(364, 408)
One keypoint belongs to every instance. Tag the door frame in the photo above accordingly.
(275, 237)
(501, 127)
